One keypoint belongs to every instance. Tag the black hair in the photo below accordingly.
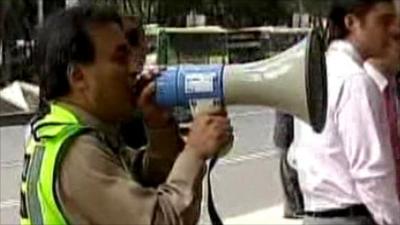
(132, 35)
(63, 41)
(340, 9)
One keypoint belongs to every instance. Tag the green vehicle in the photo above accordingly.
(216, 45)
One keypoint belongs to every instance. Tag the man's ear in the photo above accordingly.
(76, 77)
(350, 22)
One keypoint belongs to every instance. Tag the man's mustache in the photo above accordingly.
(141, 82)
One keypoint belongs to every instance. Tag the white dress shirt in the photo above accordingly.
(351, 161)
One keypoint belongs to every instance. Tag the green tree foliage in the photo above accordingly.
(318, 7)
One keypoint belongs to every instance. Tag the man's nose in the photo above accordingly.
(134, 67)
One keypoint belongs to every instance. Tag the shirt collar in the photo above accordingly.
(377, 76)
(90, 120)
(348, 48)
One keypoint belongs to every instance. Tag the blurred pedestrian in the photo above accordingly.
(283, 138)
(383, 71)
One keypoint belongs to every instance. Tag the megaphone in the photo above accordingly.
(294, 82)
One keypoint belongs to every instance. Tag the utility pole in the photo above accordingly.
(40, 12)
(70, 3)
(301, 6)
(2, 19)
(397, 6)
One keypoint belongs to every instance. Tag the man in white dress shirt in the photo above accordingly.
(347, 172)
(383, 71)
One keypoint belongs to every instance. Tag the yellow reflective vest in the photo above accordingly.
(44, 153)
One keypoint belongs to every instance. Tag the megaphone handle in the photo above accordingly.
(212, 211)
(209, 105)
(198, 106)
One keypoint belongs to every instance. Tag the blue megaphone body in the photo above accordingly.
(182, 84)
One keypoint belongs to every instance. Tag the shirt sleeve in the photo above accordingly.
(363, 129)
(95, 189)
(164, 145)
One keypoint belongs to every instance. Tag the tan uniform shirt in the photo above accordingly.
(105, 182)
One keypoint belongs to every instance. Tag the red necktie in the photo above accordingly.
(391, 111)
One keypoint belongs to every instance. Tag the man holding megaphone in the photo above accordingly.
(77, 170)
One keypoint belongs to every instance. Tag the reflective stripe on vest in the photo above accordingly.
(40, 203)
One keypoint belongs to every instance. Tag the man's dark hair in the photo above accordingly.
(63, 41)
(336, 25)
